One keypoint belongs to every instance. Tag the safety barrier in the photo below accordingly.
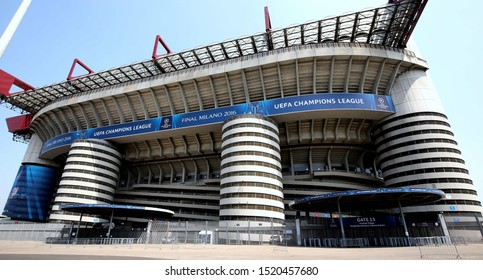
(93, 241)
(336, 242)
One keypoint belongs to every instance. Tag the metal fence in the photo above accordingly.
(97, 241)
(212, 232)
(336, 242)
(439, 247)
(209, 232)
(32, 231)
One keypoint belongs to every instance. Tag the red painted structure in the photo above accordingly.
(158, 41)
(77, 61)
(7, 81)
(19, 124)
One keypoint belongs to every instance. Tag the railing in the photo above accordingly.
(95, 241)
(336, 242)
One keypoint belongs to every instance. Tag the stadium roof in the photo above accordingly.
(389, 26)
(377, 199)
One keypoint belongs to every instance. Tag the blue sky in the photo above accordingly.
(106, 34)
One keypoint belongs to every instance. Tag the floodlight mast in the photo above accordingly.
(12, 26)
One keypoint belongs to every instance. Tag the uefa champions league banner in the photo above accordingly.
(326, 101)
(273, 107)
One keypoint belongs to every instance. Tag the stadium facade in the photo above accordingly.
(235, 131)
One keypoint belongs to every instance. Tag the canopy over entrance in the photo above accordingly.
(377, 199)
(107, 210)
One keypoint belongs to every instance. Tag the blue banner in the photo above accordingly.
(366, 222)
(272, 107)
(327, 101)
(32, 193)
(125, 129)
(61, 140)
(210, 116)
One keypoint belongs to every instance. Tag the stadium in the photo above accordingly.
(265, 129)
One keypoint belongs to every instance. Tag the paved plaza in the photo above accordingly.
(31, 250)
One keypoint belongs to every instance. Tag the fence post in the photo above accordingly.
(185, 232)
(148, 231)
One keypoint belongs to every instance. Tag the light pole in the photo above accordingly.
(12, 26)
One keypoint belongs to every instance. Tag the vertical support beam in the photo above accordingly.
(262, 82)
(49, 127)
(84, 114)
(183, 98)
(324, 129)
(42, 132)
(108, 113)
(150, 173)
(160, 180)
(392, 79)
(287, 133)
(171, 169)
(375, 89)
(291, 162)
(198, 95)
(119, 111)
(341, 221)
(359, 130)
(229, 88)
(185, 144)
(168, 97)
(131, 107)
(78, 225)
(74, 117)
(196, 170)
(314, 76)
(143, 105)
(135, 145)
(149, 148)
(312, 126)
(406, 232)
(348, 131)
(57, 121)
(336, 128)
(208, 168)
(138, 181)
(280, 80)
(299, 131)
(297, 75)
(245, 86)
(183, 175)
(110, 223)
(311, 166)
(331, 75)
(348, 75)
(212, 139)
(361, 160)
(364, 75)
(198, 143)
(346, 160)
(96, 114)
(213, 91)
(66, 120)
(160, 148)
(329, 162)
(156, 103)
(173, 147)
